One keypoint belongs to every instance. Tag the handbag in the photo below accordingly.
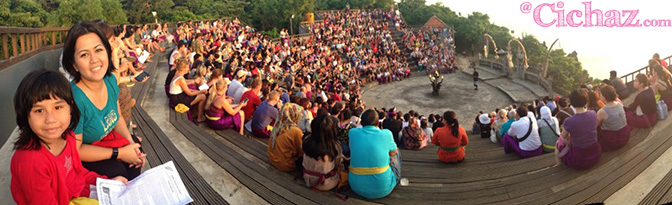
(493, 136)
(661, 108)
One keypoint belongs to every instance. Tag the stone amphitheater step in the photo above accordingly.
(517, 92)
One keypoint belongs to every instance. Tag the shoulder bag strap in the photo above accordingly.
(529, 131)
(549, 125)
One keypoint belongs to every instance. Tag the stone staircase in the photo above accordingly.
(518, 90)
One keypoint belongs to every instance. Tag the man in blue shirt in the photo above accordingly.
(375, 163)
(265, 115)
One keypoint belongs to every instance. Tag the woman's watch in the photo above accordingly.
(115, 153)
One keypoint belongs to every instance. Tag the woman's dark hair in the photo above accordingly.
(83, 28)
(578, 97)
(431, 118)
(345, 114)
(609, 93)
(322, 111)
(323, 139)
(662, 75)
(106, 29)
(37, 86)
(452, 122)
(642, 79)
(423, 123)
(369, 117)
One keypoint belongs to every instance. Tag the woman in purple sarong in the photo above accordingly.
(578, 146)
(221, 113)
(613, 131)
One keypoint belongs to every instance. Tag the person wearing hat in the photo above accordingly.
(484, 124)
(523, 136)
(237, 85)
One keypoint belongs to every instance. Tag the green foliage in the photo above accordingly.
(269, 14)
(273, 33)
(72, 11)
(113, 12)
(22, 13)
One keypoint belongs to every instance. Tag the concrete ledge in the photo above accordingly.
(6, 154)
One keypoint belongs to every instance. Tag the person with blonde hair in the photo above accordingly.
(179, 91)
(221, 113)
(265, 115)
(499, 121)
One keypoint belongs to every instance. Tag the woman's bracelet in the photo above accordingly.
(115, 153)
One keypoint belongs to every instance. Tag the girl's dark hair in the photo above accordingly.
(451, 120)
(37, 86)
(83, 28)
(609, 93)
(323, 139)
(431, 118)
(423, 123)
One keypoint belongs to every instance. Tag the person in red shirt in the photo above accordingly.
(252, 97)
(46, 168)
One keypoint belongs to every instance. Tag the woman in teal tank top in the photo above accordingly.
(105, 144)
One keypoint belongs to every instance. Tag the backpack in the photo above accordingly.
(661, 109)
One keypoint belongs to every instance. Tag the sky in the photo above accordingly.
(600, 49)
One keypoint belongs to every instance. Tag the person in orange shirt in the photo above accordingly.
(451, 139)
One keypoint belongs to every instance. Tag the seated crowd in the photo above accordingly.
(433, 49)
(579, 127)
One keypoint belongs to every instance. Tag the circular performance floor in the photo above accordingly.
(457, 93)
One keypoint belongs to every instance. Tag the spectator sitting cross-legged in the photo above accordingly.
(451, 139)
(322, 155)
(413, 137)
(222, 113)
(375, 162)
(578, 146)
(549, 129)
(642, 112)
(253, 98)
(265, 115)
(523, 136)
(284, 145)
(613, 131)
(181, 93)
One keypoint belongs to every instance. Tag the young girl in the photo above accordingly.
(46, 168)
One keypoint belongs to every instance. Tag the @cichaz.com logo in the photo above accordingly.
(588, 17)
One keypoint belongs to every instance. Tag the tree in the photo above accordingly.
(280, 10)
(22, 13)
(71, 12)
(113, 12)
